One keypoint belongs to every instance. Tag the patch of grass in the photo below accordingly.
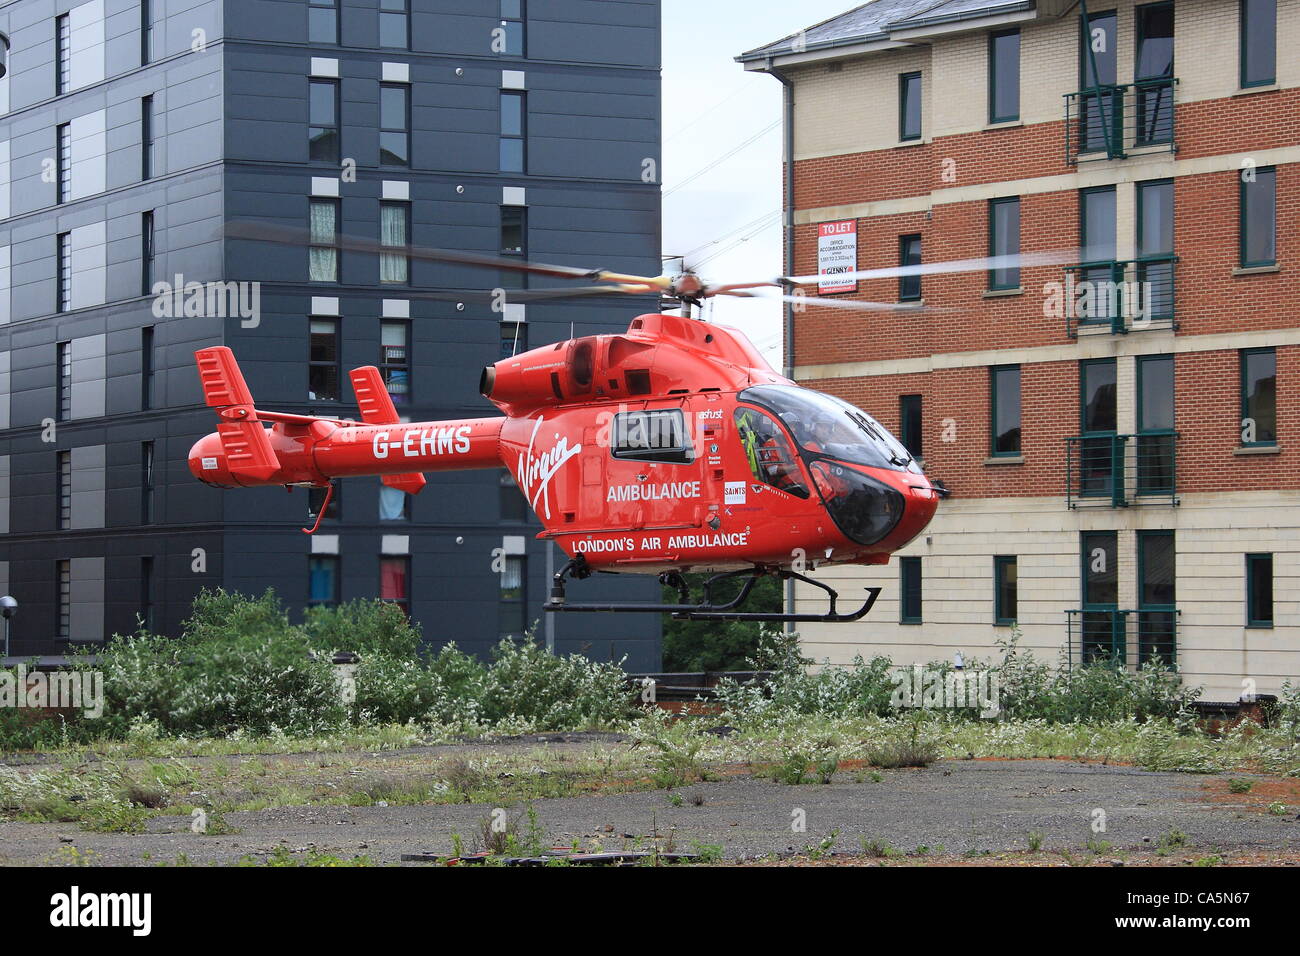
(1035, 840)
(1241, 786)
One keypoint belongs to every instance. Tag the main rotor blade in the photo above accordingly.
(522, 296)
(848, 305)
(295, 236)
(987, 263)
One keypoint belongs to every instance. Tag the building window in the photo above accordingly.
(146, 31)
(146, 482)
(323, 361)
(323, 256)
(1153, 72)
(1004, 589)
(513, 620)
(1097, 233)
(1004, 410)
(147, 164)
(323, 580)
(909, 418)
(1004, 76)
(909, 254)
(1258, 42)
(323, 121)
(394, 230)
(1259, 590)
(1098, 63)
(146, 253)
(909, 106)
(394, 124)
(62, 54)
(323, 21)
(1156, 588)
(510, 40)
(514, 157)
(65, 490)
(63, 358)
(64, 163)
(64, 269)
(146, 616)
(514, 339)
(1258, 216)
(393, 576)
(909, 590)
(514, 507)
(63, 614)
(1258, 397)
(1004, 240)
(514, 243)
(395, 360)
(1155, 424)
(1098, 418)
(394, 24)
(316, 500)
(1102, 632)
(146, 367)
(394, 504)
(1155, 246)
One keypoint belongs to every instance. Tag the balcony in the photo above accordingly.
(1120, 470)
(1120, 296)
(1110, 121)
(1105, 635)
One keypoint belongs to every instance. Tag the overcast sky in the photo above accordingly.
(711, 107)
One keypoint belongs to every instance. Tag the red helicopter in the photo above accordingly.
(672, 447)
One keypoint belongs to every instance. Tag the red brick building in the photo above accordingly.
(1117, 427)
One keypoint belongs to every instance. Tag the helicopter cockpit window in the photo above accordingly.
(826, 426)
(768, 451)
(655, 434)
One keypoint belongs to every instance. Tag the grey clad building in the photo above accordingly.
(131, 130)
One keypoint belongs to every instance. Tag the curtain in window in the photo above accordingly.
(392, 579)
(323, 263)
(392, 504)
(392, 232)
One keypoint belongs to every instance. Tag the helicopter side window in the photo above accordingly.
(771, 458)
(655, 434)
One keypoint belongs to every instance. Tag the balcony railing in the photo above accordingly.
(1107, 121)
(1102, 635)
(1120, 295)
(1122, 469)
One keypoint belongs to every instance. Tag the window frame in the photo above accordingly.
(1241, 49)
(1242, 220)
(993, 284)
(146, 138)
(63, 607)
(62, 54)
(1252, 560)
(336, 365)
(404, 130)
(63, 163)
(148, 477)
(63, 475)
(904, 294)
(405, 13)
(913, 564)
(993, 88)
(335, 563)
(404, 560)
(904, 79)
(147, 251)
(63, 381)
(386, 366)
(521, 602)
(521, 136)
(332, 246)
(904, 427)
(517, 340)
(333, 85)
(1000, 563)
(506, 17)
(63, 271)
(1243, 356)
(681, 453)
(325, 5)
(405, 207)
(994, 371)
(147, 335)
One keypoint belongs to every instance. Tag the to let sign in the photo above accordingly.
(837, 254)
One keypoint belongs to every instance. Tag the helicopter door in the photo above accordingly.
(769, 453)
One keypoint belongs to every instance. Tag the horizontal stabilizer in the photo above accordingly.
(373, 400)
(248, 449)
(410, 482)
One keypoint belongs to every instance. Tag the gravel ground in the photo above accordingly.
(960, 806)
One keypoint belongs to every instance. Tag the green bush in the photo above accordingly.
(364, 627)
(528, 682)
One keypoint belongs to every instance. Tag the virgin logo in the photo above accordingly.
(536, 471)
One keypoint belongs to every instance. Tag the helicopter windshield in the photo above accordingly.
(825, 426)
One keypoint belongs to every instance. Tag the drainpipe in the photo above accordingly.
(787, 335)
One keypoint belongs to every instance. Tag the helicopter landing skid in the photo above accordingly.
(707, 610)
